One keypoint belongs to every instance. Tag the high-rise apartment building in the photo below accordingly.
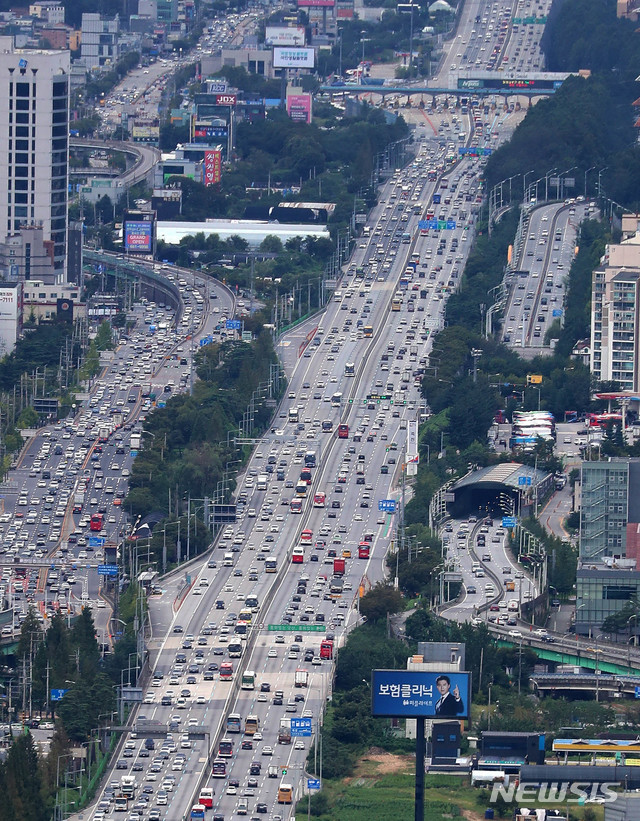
(34, 148)
(615, 316)
(604, 508)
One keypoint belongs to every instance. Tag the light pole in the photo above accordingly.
(585, 178)
(600, 173)
(561, 179)
(340, 53)
(546, 183)
(524, 183)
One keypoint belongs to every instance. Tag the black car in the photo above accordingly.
(334, 504)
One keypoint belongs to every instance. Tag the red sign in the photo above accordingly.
(299, 107)
(226, 99)
(345, 14)
(212, 167)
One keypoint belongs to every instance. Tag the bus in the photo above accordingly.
(327, 426)
(97, 522)
(198, 811)
(343, 431)
(270, 564)
(319, 499)
(219, 769)
(601, 420)
(310, 459)
(234, 723)
(350, 369)
(432, 174)
(336, 400)
(326, 649)
(301, 489)
(225, 748)
(246, 614)
(306, 476)
(226, 671)
(285, 794)
(295, 505)
(396, 303)
(251, 602)
(306, 537)
(240, 629)
(206, 797)
(235, 652)
(364, 550)
(368, 330)
(248, 680)
(251, 725)
(297, 555)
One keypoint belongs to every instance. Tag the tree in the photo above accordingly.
(381, 601)
(271, 244)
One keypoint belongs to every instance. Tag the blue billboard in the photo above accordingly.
(415, 694)
(138, 237)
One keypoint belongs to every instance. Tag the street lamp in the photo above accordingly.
(585, 178)
(600, 173)
(561, 180)
(546, 182)
(524, 183)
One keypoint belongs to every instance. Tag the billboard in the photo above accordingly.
(293, 57)
(498, 83)
(203, 132)
(416, 694)
(299, 107)
(284, 36)
(138, 233)
(145, 133)
(212, 167)
(226, 99)
(318, 4)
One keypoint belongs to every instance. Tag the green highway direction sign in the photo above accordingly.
(296, 628)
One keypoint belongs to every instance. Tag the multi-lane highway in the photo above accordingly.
(361, 370)
(537, 288)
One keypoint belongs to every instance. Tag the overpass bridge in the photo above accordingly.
(587, 683)
(145, 158)
(436, 91)
(608, 660)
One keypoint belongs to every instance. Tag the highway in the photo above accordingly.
(537, 288)
(334, 382)
(68, 459)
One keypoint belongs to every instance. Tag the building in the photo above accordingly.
(608, 575)
(26, 255)
(615, 328)
(604, 511)
(100, 41)
(47, 10)
(44, 302)
(10, 315)
(167, 11)
(34, 153)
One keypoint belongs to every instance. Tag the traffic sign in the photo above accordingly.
(56, 694)
(313, 783)
(107, 570)
(556, 312)
(387, 505)
(637, 692)
(233, 324)
(300, 727)
(96, 541)
(508, 521)
(296, 628)
(374, 397)
(524, 480)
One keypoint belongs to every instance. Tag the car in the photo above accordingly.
(247, 744)
(273, 653)
(267, 750)
(261, 808)
(299, 745)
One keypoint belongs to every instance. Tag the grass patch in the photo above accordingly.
(382, 787)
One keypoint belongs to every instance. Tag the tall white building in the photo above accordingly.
(34, 145)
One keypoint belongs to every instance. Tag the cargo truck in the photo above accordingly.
(338, 567)
(262, 481)
(78, 501)
(301, 678)
(284, 731)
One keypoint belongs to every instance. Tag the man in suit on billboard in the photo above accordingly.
(450, 703)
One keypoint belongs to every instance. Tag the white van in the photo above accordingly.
(227, 560)
(512, 605)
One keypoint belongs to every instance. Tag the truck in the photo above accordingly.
(262, 481)
(284, 731)
(338, 567)
(335, 587)
(78, 501)
(294, 414)
(136, 439)
(273, 771)
(128, 786)
(301, 678)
